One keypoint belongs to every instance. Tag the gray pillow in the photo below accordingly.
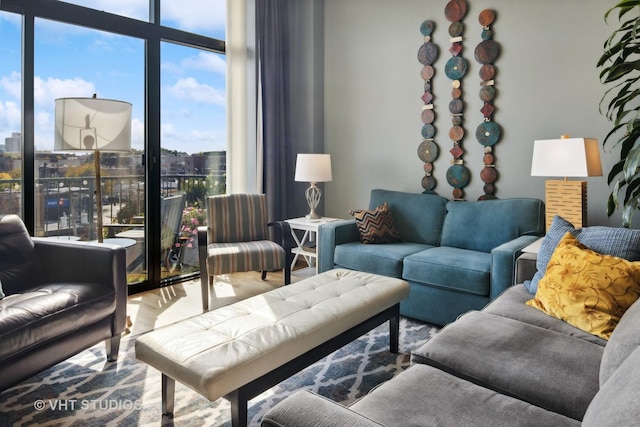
(616, 241)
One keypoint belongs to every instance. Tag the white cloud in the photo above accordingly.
(206, 61)
(188, 89)
(47, 91)
(12, 84)
(9, 119)
(196, 15)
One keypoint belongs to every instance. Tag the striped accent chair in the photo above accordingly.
(236, 239)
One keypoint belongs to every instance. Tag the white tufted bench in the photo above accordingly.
(240, 350)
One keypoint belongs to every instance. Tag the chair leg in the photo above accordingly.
(264, 274)
(112, 346)
(204, 288)
(287, 274)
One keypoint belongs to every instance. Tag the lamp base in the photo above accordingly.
(567, 199)
(313, 195)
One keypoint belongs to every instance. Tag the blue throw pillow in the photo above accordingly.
(616, 241)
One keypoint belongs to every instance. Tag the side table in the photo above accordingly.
(307, 245)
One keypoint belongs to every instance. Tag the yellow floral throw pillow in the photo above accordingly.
(586, 289)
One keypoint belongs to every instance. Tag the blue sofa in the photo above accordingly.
(456, 256)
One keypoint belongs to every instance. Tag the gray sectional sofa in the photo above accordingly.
(456, 256)
(507, 365)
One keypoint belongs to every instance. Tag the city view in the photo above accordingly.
(72, 61)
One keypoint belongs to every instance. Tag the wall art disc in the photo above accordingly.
(458, 176)
(426, 28)
(456, 106)
(427, 72)
(455, 10)
(488, 175)
(456, 29)
(487, 17)
(428, 131)
(428, 182)
(488, 133)
(487, 72)
(487, 51)
(427, 116)
(456, 68)
(427, 53)
(487, 93)
(428, 151)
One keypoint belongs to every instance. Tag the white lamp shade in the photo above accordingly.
(313, 168)
(89, 124)
(566, 157)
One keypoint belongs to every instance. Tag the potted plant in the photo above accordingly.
(620, 67)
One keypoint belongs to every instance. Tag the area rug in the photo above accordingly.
(86, 390)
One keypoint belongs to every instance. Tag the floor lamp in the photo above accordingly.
(93, 125)
(566, 157)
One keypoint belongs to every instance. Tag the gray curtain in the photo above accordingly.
(272, 32)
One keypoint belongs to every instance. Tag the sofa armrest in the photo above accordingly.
(526, 266)
(503, 263)
(85, 262)
(306, 409)
(332, 234)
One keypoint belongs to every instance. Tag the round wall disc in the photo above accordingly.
(458, 193)
(428, 182)
(428, 168)
(428, 151)
(456, 133)
(487, 72)
(426, 28)
(427, 72)
(456, 106)
(487, 51)
(487, 17)
(488, 133)
(456, 68)
(488, 175)
(428, 131)
(427, 116)
(458, 176)
(456, 29)
(427, 53)
(487, 93)
(455, 10)
(487, 159)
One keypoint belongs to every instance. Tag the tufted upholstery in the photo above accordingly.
(236, 239)
(219, 351)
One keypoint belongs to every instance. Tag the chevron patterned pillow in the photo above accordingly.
(377, 225)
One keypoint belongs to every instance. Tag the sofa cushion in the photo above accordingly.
(483, 225)
(624, 340)
(545, 368)
(450, 268)
(418, 217)
(616, 403)
(586, 289)
(39, 314)
(426, 396)
(385, 259)
(616, 241)
(511, 304)
(377, 225)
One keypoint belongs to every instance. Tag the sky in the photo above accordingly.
(78, 62)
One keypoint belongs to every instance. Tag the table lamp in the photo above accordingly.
(313, 168)
(566, 157)
(93, 124)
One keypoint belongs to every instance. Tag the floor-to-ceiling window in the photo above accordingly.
(173, 75)
(10, 117)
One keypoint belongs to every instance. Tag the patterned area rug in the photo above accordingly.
(86, 390)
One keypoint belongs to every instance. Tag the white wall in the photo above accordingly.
(547, 85)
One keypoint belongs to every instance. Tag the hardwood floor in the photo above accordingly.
(149, 310)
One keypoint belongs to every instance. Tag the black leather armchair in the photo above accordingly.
(60, 298)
